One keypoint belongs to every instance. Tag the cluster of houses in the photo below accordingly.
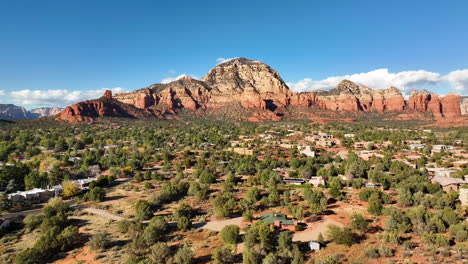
(41, 195)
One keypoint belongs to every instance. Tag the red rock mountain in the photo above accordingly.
(252, 85)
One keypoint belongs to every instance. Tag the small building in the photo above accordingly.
(373, 185)
(440, 172)
(243, 151)
(33, 196)
(295, 181)
(448, 183)
(440, 148)
(317, 181)
(325, 136)
(348, 136)
(464, 196)
(84, 183)
(277, 219)
(308, 152)
(417, 146)
(314, 245)
(324, 143)
(362, 144)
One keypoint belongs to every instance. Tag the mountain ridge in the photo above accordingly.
(253, 85)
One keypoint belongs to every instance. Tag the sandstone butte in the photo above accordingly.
(253, 85)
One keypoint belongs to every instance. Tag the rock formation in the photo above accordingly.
(464, 105)
(10, 111)
(248, 84)
(46, 111)
(105, 106)
(424, 101)
(348, 96)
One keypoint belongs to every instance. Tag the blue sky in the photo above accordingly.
(57, 52)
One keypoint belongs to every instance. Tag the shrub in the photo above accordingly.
(372, 252)
(340, 235)
(184, 223)
(96, 194)
(230, 234)
(99, 241)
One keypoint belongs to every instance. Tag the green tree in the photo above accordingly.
(183, 256)
(339, 235)
(230, 234)
(184, 223)
(359, 223)
(223, 255)
(159, 253)
(5, 203)
(143, 210)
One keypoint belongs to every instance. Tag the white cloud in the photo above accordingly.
(57, 97)
(2, 92)
(458, 80)
(376, 79)
(223, 60)
(171, 79)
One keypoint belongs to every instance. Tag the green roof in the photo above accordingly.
(272, 217)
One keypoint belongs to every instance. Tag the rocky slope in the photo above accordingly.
(253, 85)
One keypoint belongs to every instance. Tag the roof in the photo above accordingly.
(444, 181)
(272, 217)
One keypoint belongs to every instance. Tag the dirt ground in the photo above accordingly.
(313, 232)
(217, 225)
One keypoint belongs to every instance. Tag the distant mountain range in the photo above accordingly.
(251, 90)
(10, 111)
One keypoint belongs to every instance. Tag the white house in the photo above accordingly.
(317, 181)
(308, 152)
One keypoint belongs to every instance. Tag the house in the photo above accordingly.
(368, 154)
(308, 152)
(283, 171)
(349, 135)
(440, 148)
(448, 183)
(464, 196)
(373, 185)
(362, 144)
(277, 219)
(417, 146)
(324, 143)
(440, 172)
(325, 136)
(84, 183)
(317, 181)
(243, 151)
(314, 245)
(33, 196)
(295, 181)
(111, 147)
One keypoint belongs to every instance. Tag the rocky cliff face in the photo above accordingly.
(424, 101)
(46, 111)
(10, 111)
(105, 106)
(348, 96)
(253, 85)
(464, 105)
